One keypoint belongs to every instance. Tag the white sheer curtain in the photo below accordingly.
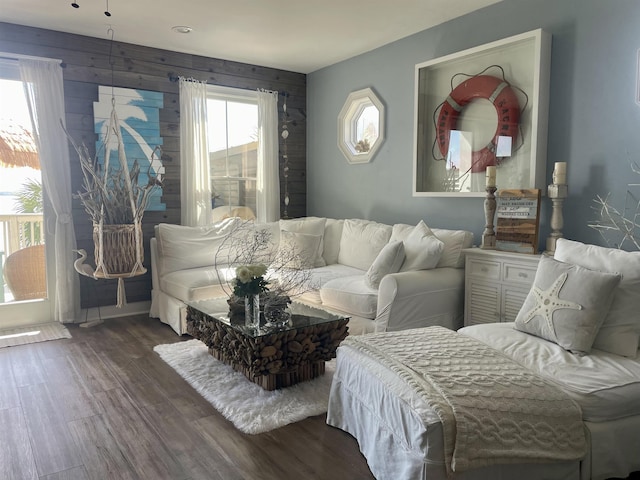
(268, 190)
(195, 183)
(45, 95)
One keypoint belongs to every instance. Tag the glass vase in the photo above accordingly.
(276, 313)
(252, 311)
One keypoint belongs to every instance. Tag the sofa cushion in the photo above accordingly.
(322, 275)
(389, 260)
(351, 295)
(309, 226)
(422, 249)
(331, 240)
(181, 247)
(620, 332)
(195, 284)
(454, 242)
(400, 231)
(361, 242)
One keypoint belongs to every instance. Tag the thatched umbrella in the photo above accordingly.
(17, 147)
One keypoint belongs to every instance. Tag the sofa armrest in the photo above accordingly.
(420, 299)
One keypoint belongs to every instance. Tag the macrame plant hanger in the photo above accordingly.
(119, 236)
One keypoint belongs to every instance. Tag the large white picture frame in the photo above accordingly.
(523, 61)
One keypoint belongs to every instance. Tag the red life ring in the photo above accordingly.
(504, 99)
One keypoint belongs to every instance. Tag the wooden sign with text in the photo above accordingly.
(518, 220)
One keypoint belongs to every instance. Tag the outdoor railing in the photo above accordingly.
(20, 230)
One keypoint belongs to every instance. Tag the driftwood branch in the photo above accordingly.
(109, 195)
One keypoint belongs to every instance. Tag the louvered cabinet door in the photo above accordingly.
(496, 284)
(511, 301)
(485, 300)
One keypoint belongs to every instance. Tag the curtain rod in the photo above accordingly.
(18, 56)
(175, 78)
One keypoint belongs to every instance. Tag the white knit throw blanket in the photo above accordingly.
(492, 409)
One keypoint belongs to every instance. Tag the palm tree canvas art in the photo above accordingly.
(139, 119)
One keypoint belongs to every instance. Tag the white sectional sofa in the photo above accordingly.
(385, 277)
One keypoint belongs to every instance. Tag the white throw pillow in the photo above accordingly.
(620, 332)
(454, 242)
(361, 242)
(422, 249)
(389, 260)
(567, 304)
(297, 250)
(309, 226)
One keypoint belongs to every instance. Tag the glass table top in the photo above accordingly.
(302, 315)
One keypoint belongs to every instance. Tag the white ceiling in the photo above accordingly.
(296, 35)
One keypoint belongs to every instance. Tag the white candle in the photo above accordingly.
(560, 173)
(491, 176)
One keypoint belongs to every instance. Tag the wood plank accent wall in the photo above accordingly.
(86, 65)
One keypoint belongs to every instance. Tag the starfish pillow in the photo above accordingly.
(567, 304)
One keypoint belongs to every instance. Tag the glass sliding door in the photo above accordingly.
(24, 297)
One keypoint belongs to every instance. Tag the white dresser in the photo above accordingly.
(496, 284)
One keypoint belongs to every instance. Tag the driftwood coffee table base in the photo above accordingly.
(275, 359)
(274, 381)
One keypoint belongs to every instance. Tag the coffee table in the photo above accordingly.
(272, 357)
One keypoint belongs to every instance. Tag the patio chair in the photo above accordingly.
(24, 273)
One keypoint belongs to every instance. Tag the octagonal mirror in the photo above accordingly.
(361, 126)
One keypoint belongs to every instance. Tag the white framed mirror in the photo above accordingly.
(361, 126)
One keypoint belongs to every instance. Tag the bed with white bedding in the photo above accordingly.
(400, 429)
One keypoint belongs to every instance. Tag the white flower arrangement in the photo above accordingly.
(250, 280)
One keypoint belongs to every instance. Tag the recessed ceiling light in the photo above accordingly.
(182, 29)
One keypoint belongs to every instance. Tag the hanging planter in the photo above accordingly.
(116, 250)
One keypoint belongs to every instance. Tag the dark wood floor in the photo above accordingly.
(102, 405)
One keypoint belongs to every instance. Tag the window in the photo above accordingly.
(361, 126)
(232, 120)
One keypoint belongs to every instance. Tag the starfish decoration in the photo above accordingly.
(547, 302)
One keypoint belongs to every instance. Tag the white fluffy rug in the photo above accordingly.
(251, 408)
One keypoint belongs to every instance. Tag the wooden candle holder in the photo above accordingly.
(489, 234)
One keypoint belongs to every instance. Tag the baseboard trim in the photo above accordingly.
(94, 314)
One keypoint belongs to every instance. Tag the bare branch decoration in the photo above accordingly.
(620, 229)
(249, 243)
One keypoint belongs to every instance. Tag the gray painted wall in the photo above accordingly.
(593, 117)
